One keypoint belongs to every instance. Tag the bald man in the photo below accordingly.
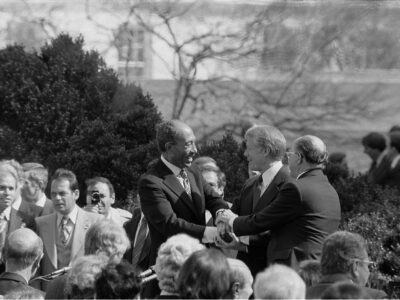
(22, 253)
(306, 210)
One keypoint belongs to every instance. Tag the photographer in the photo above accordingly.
(100, 196)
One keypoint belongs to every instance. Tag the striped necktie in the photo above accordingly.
(186, 183)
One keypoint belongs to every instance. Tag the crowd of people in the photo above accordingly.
(278, 240)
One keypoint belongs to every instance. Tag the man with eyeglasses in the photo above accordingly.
(344, 259)
(305, 212)
(100, 196)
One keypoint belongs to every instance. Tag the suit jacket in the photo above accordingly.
(23, 217)
(255, 257)
(305, 212)
(131, 227)
(47, 209)
(316, 291)
(46, 227)
(169, 210)
(14, 282)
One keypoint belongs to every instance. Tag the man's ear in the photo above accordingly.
(112, 198)
(36, 265)
(76, 194)
(168, 146)
(354, 270)
(235, 289)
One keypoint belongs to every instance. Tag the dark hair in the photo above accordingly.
(374, 140)
(336, 157)
(117, 281)
(167, 132)
(345, 290)
(66, 175)
(395, 140)
(94, 180)
(205, 275)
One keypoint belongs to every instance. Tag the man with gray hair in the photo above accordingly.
(22, 253)
(305, 212)
(344, 259)
(279, 282)
(265, 149)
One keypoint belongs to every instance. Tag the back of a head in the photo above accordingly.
(22, 249)
(106, 237)
(171, 256)
(312, 148)
(374, 140)
(269, 139)
(118, 281)
(310, 271)
(241, 275)
(81, 278)
(345, 290)
(395, 140)
(279, 282)
(339, 249)
(205, 275)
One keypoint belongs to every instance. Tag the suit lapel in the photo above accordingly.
(81, 226)
(15, 220)
(272, 190)
(50, 237)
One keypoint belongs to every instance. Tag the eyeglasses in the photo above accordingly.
(371, 264)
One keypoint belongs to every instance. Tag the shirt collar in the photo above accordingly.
(271, 172)
(72, 216)
(42, 200)
(176, 170)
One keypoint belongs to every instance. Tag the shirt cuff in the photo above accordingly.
(209, 235)
(245, 239)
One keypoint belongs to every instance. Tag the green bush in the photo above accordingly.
(229, 155)
(64, 107)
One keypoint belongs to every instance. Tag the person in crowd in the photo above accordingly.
(265, 148)
(80, 281)
(394, 128)
(206, 275)
(24, 294)
(22, 254)
(204, 161)
(171, 256)
(118, 281)
(375, 146)
(344, 259)
(14, 213)
(310, 271)
(100, 196)
(336, 167)
(63, 231)
(173, 196)
(279, 282)
(391, 178)
(104, 238)
(33, 190)
(138, 232)
(305, 211)
(344, 290)
(243, 280)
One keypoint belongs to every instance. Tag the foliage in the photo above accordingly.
(64, 107)
(229, 155)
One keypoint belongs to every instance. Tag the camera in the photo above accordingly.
(226, 237)
(95, 196)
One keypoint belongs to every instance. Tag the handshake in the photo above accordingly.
(225, 237)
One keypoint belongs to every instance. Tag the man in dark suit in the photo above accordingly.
(22, 253)
(305, 212)
(33, 190)
(173, 197)
(63, 232)
(133, 229)
(265, 149)
(344, 259)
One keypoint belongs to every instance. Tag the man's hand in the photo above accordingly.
(210, 234)
(234, 244)
(226, 217)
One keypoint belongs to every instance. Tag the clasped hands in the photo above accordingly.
(226, 237)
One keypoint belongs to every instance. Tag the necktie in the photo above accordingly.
(257, 192)
(186, 183)
(65, 230)
(140, 239)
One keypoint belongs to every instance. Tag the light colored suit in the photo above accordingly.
(46, 227)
